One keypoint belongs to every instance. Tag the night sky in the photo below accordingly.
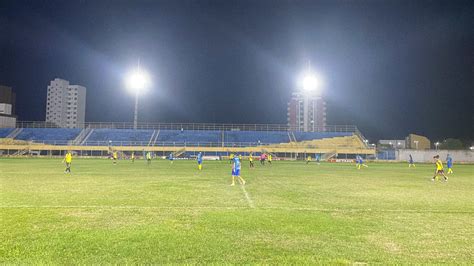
(390, 67)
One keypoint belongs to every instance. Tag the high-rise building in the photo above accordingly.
(7, 107)
(307, 111)
(65, 104)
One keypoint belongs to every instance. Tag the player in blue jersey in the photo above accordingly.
(360, 162)
(410, 161)
(318, 158)
(449, 163)
(236, 171)
(199, 161)
(170, 157)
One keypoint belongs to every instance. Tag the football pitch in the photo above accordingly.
(288, 213)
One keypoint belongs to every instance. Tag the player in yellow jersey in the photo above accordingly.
(308, 159)
(270, 158)
(132, 157)
(231, 158)
(439, 169)
(148, 158)
(68, 160)
(251, 160)
(114, 157)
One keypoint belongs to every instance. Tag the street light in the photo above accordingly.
(436, 145)
(137, 81)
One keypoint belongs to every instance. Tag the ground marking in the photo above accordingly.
(249, 200)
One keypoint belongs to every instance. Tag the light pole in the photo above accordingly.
(436, 145)
(310, 83)
(137, 81)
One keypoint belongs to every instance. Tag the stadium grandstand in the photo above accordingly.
(185, 139)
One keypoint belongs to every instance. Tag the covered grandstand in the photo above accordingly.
(97, 139)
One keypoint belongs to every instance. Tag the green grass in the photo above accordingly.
(303, 214)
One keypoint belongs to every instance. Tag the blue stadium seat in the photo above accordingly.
(254, 137)
(189, 136)
(124, 137)
(5, 131)
(301, 136)
(49, 135)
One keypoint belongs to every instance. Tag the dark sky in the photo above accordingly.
(390, 67)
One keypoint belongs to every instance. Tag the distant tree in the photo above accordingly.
(451, 144)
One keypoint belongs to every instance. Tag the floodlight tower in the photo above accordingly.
(310, 83)
(137, 81)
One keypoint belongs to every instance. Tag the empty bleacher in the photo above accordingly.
(121, 137)
(255, 137)
(181, 138)
(4, 132)
(302, 136)
(49, 135)
(177, 137)
(351, 141)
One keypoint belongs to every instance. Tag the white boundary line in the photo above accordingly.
(251, 204)
(247, 196)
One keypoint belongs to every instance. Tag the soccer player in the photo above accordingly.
(199, 160)
(236, 171)
(439, 169)
(148, 158)
(308, 159)
(68, 160)
(449, 163)
(318, 156)
(170, 157)
(132, 157)
(410, 161)
(231, 158)
(269, 158)
(360, 162)
(114, 157)
(251, 160)
(262, 159)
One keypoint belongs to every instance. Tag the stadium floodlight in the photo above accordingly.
(137, 81)
(310, 82)
(436, 145)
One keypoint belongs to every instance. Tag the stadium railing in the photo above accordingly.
(192, 126)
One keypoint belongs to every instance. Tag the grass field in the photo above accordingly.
(287, 213)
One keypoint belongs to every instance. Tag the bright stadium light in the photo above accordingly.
(137, 81)
(310, 82)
